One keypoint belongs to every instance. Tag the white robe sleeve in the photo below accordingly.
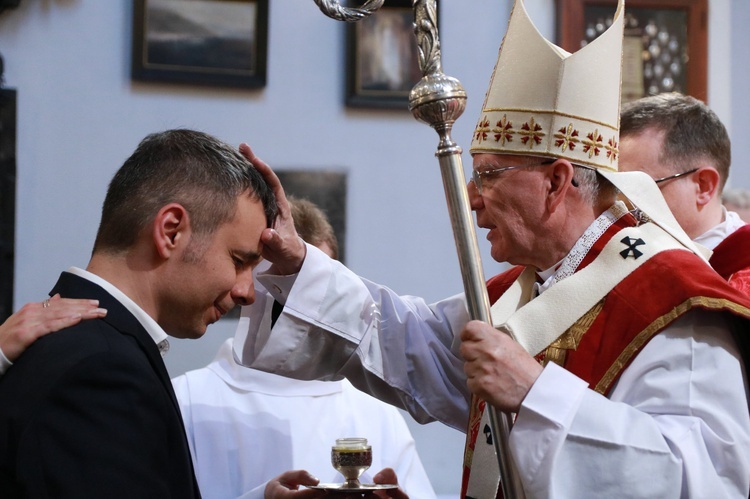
(676, 424)
(336, 324)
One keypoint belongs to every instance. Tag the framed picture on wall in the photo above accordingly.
(205, 42)
(665, 48)
(326, 189)
(382, 63)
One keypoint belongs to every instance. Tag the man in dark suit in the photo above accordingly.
(90, 411)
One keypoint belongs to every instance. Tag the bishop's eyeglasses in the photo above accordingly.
(676, 175)
(478, 175)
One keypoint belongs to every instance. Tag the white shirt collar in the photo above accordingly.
(715, 235)
(148, 323)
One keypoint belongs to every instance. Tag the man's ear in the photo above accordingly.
(707, 182)
(171, 229)
(560, 178)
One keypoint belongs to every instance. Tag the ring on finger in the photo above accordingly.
(45, 303)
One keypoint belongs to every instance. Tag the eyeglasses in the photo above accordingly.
(478, 175)
(676, 175)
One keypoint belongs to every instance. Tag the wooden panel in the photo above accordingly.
(674, 41)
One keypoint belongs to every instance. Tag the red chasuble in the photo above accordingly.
(611, 334)
(607, 338)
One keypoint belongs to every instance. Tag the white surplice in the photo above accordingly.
(245, 427)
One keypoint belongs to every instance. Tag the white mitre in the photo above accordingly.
(544, 101)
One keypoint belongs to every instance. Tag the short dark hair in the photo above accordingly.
(692, 131)
(194, 169)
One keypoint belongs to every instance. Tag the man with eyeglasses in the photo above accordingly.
(625, 354)
(683, 145)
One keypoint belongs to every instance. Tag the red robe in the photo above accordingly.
(612, 333)
(608, 337)
(731, 259)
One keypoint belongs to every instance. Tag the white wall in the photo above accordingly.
(80, 116)
(739, 127)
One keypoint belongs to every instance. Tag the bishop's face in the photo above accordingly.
(510, 205)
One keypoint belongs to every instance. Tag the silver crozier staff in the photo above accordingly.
(439, 100)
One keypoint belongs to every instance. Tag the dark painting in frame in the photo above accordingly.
(382, 57)
(203, 42)
(326, 188)
(665, 46)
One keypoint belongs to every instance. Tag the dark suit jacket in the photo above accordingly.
(89, 412)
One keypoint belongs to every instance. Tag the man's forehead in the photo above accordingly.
(642, 152)
(248, 223)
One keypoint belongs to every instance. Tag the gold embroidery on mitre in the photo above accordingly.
(532, 133)
(567, 138)
(612, 149)
(482, 129)
(660, 323)
(570, 339)
(593, 144)
(504, 131)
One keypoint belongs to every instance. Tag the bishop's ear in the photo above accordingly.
(707, 180)
(171, 229)
(560, 176)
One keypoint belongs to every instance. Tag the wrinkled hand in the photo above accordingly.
(282, 245)
(498, 369)
(34, 320)
(287, 485)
